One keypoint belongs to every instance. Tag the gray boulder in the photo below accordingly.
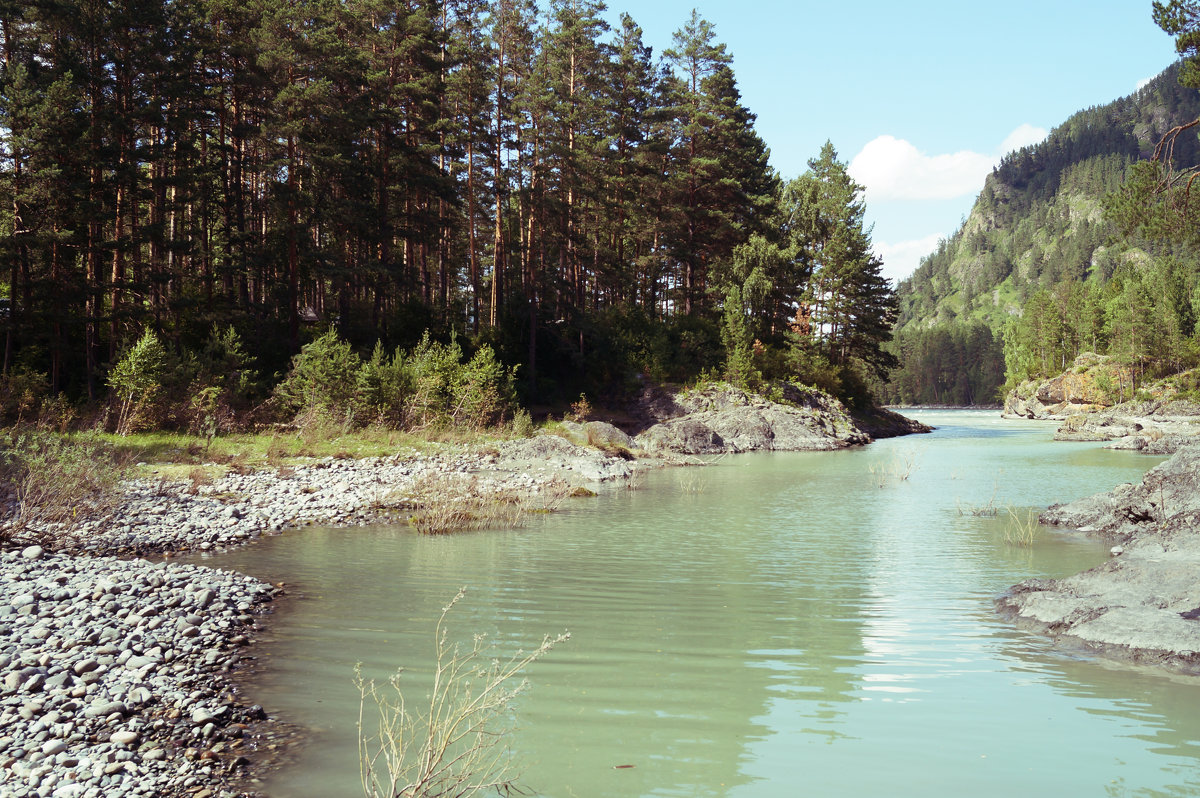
(724, 419)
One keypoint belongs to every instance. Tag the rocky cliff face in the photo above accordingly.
(1087, 387)
(1085, 400)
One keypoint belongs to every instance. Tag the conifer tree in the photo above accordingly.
(852, 306)
(721, 184)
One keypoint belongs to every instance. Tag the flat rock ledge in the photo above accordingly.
(114, 677)
(1129, 608)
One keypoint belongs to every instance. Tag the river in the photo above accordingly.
(815, 624)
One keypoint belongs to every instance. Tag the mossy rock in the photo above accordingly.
(606, 437)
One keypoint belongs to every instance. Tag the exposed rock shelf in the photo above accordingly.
(723, 419)
(1129, 607)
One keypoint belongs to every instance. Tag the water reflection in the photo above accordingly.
(777, 624)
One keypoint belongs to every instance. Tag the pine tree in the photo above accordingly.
(852, 306)
(721, 185)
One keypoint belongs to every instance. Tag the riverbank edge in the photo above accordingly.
(97, 626)
(163, 518)
(1139, 607)
(1159, 421)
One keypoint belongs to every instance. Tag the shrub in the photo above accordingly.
(431, 386)
(475, 394)
(222, 385)
(581, 411)
(136, 379)
(55, 481)
(55, 414)
(483, 392)
(224, 362)
(812, 368)
(21, 394)
(323, 377)
(210, 413)
(736, 338)
(433, 368)
(385, 387)
(522, 423)
(458, 745)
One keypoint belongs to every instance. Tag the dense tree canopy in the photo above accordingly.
(523, 175)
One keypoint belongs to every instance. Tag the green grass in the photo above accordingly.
(171, 455)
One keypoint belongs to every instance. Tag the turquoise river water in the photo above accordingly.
(807, 624)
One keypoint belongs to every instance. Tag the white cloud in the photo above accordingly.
(1143, 83)
(902, 258)
(894, 169)
(1023, 136)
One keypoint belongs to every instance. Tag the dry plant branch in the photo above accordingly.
(443, 503)
(899, 469)
(458, 745)
(986, 510)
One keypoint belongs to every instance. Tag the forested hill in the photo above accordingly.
(1037, 226)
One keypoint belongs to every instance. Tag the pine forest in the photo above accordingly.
(507, 180)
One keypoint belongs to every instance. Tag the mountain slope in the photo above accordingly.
(1037, 224)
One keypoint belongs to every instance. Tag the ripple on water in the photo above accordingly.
(822, 620)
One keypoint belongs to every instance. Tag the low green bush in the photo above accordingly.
(522, 423)
(22, 393)
(429, 387)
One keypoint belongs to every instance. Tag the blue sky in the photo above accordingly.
(920, 98)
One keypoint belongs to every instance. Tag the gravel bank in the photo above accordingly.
(115, 676)
(169, 516)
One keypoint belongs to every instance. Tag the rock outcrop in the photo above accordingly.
(1085, 388)
(724, 419)
(1132, 607)
(1158, 422)
(1152, 426)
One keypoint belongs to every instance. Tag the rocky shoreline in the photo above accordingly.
(1085, 412)
(722, 419)
(115, 673)
(1140, 606)
(116, 676)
